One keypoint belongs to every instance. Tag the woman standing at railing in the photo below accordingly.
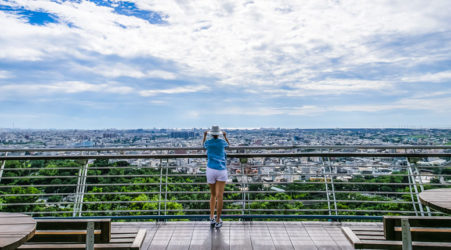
(216, 171)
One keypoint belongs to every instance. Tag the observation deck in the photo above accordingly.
(280, 197)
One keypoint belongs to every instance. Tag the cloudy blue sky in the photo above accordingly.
(240, 64)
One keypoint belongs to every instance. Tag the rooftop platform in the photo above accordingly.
(244, 235)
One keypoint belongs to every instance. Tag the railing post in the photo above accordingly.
(417, 172)
(3, 166)
(421, 187)
(243, 188)
(83, 189)
(332, 185)
(325, 184)
(166, 188)
(161, 183)
(406, 235)
(80, 190)
(411, 175)
(77, 190)
(90, 236)
(411, 192)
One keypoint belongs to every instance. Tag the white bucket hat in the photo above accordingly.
(215, 130)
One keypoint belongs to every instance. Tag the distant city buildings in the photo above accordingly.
(263, 170)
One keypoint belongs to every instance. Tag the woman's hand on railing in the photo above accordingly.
(225, 137)
(205, 137)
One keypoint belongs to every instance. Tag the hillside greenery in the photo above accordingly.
(116, 188)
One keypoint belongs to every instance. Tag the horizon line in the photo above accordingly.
(228, 128)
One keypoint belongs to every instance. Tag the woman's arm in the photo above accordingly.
(225, 137)
(205, 137)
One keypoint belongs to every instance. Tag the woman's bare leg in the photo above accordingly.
(219, 196)
(212, 199)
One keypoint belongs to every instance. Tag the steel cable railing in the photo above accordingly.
(38, 182)
(293, 147)
(205, 183)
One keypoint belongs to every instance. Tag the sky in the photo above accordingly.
(239, 64)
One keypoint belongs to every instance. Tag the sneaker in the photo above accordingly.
(213, 221)
(218, 224)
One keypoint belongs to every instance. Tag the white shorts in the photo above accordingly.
(214, 175)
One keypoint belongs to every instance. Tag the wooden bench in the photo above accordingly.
(119, 241)
(71, 230)
(72, 233)
(433, 229)
(425, 233)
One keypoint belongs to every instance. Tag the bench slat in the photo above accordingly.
(390, 244)
(124, 231)
(123, 240)
(379, 233)
(118, 236)
(139, 239)
(64, 232)
(350, 235)
(48, 225)
(426, 229)
(370, 237)
(115, 246)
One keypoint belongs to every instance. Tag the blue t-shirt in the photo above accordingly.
(216, 153)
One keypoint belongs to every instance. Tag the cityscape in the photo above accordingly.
(225, 124)
(273, 173)
(54, 138)
(263, 169)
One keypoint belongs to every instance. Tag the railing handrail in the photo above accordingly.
(96, 149)
(231, 155)
(234, 216)
(334, 155)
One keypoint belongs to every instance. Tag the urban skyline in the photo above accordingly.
(239, 64)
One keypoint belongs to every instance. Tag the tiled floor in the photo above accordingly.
(244, 235)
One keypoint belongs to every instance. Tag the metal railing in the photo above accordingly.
(282, 181)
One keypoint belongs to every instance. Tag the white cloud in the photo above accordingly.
(69, 87)
(338, 86)
(192, 114)
(435, 105)
(111, 70)
(326, 87)
(269, 111)
(158, 102)
(176, 90)
(73, 87)
(24, 42)
(247, 44)
(428, 94)
(429, 77)
(121, 69)
(5, 74)
(160, 74)
(253, 111)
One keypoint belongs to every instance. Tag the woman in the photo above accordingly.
(216, 171)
